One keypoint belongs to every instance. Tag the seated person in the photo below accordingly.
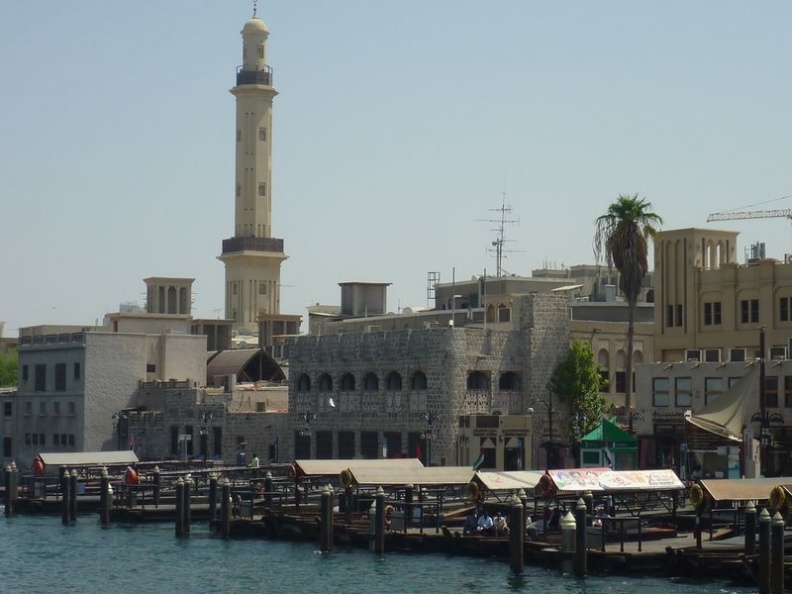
(531, 528)
(501, 527)
(485, 525)
(470, 524)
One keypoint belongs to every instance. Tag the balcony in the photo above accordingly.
(252, 244)
(254, 77)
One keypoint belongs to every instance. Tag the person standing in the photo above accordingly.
(254, 463)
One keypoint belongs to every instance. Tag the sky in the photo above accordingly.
(400, 128)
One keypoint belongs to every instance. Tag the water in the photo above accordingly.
(39, 554)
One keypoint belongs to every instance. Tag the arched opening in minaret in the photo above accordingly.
(172, 300)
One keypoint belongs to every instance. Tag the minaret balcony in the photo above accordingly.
(254, 77)
(252, 244)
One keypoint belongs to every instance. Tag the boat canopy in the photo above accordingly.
(72, 459)
(335, 467)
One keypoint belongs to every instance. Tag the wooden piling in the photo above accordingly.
(379, 522)
(516, 536)
(14, 495)
(225, 510)
(326, 520)
(212, 496)
(65, 479)
(750, 528)
(581, 553)
(104, 497)
(9, 505)
(156, 479)
(777, 554)
(268, 490)
(764, 552)
(73, 496)
(186, 512)
(179, 508)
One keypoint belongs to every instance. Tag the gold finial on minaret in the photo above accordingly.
(255, 8)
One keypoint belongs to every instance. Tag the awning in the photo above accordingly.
(424, 476)
(509, 481)
(726, 414)
(653, 480)
(69, 459)
(743, 489)
(335, 467)
(607, 431)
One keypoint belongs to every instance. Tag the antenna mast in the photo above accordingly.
(497, 244)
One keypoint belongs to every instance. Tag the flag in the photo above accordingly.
(479, 461)
(131, 442)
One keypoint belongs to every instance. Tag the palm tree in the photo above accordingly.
(621, 236)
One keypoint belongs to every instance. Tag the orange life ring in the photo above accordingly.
(777, 498)
(696, 496)
(472, 491)
(546, 487)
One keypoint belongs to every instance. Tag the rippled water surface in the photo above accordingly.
(38, 554)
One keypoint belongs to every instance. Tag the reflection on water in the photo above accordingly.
(41, 555)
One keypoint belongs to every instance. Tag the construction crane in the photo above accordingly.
(750, 214)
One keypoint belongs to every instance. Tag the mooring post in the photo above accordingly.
(179, 507)
(764, 552)
(188, 483)
(777, 554)
(568, 532)
(326, 520)
(225, 509)
(697, 528)
(14, 495)
(156, 478)
(588, 497)
(65, 479)
(73, 496)
(349, 491)
(516, 535)
(104, 498)
(212, 496)
(268, 490)
(379, 521)
(581, 552)
(750, 528)
(9, 505)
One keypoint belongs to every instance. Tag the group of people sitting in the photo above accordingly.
(485, 525)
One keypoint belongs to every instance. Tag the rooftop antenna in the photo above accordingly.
(497, 244)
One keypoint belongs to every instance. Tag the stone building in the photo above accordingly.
(364, 392)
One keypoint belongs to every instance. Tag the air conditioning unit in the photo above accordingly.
(737, 355)
(778, 353)
(712, 355)
(693, 355)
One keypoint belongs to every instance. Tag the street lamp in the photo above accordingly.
(430, 419)
(765, 422)
(204, 421)
(549, 446)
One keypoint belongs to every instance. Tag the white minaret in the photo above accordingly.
(252, 257)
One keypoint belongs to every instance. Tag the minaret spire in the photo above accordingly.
(255, 8)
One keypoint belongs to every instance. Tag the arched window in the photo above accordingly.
(304, 383)
(325, 383)
(393, 381)
(347, 382)
(509, 381)
(418, 381)
(371, 382)
(478, 380)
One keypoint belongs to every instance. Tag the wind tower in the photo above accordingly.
(253, 257)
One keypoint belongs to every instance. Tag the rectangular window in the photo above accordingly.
(56, 408)
(77, 371)
(174, 434)
(24, 373)
(35, 439)
(72, 409)
(621, 382)
(788, 391)
(40, 380)
(28, 408)
(60, 377)
(712, 313)
(749, 311)
(43, 408)
(64, 440)
(27, 438)
(8, 409)
(71, 440)
(660, 395)
(151, 368)
(55, 439)
(7, 447)
(670, 316)
(189, 431)
(42, 441)
(604, 380)
(678, 315)
(771, 391)
(683, 392)
(263, 134)
(713, 387)
(262, 189)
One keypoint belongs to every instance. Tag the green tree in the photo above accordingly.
(577, 382)
(9, 368)
(621, 238)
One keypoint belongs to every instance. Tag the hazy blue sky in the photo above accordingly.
(397, 129)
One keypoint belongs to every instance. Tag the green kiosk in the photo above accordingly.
(609, 446)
